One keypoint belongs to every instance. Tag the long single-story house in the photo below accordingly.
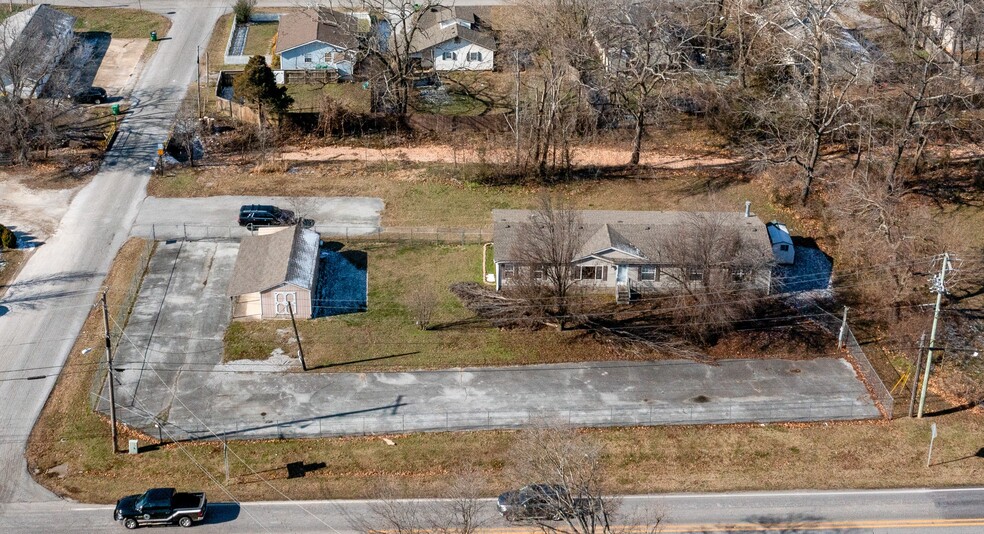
(273, 270)
(625, 251)
(455, 38)
(320, 39)
(32, 44)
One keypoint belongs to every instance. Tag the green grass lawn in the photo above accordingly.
(122, 23)
(259, 38)
(350, 95)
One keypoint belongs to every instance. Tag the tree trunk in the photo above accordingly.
(637, 141)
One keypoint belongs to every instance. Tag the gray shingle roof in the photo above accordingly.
(325, 25)
(431, 33)
(634, 232)
(266, 261)
(40, 35)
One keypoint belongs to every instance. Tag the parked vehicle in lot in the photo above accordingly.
(160, 506)
(92, 95)
(542, 501)
(261, 215)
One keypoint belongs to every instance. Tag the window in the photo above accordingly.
(280, 300)
(450, 56)
(308, 58)
(593, 273)
(784, 248)
(649, 273)
(738, 274)
(474, 56)
(539, 272)
(695, 274)
(507, 270)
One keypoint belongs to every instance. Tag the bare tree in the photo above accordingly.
(186, 132)
(423, 302)
(646, 48)
(459, 512)
(810, 99)
(546, 250)
(564, 470)
(556, 95)
(717, 275)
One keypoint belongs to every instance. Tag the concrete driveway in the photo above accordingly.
(177, 326)
(242, 402)
(216, 217)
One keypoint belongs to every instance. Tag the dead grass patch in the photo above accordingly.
(14, 261)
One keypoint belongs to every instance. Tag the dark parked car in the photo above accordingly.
(259, 215)
(160, 506)
(542, 501)
(92, 95)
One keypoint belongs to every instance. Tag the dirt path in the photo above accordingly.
(446, 154)
(32, 213)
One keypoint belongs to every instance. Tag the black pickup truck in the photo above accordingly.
(160, 506)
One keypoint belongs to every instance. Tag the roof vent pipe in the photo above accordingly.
(748, 208)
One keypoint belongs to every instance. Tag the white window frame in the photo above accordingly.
(599, 273)
(474, 56)
(449, 56)
(308, 58)
(280, 300)
(538, 272)
(695, 274)
(652, 276)
(507, 270)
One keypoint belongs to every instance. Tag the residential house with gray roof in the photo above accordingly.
(273, 270)
(632, 252)
(32, 45)
(455, 38)
(321, 39)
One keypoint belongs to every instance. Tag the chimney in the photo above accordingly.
(748, 208)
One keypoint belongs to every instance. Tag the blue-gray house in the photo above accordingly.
(320, 39)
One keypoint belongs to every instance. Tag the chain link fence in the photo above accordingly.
(869, 375)
(408, 234)
(389, 421)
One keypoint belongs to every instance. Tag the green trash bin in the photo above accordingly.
(116, 109)
(153, 37)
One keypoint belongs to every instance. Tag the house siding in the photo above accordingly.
(461, 49)
(302, 304)
(321, 54)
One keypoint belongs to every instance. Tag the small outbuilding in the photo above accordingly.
(273, 270)
(782, 243)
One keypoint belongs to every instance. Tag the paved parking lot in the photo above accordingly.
(216, 217)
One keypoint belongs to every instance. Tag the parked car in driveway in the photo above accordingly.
(542, 501)
(92, 95)
(160, 506)
(265, 215)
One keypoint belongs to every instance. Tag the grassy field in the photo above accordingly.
(350, 95)
(122, 23)
(399, 276)
(259, 38)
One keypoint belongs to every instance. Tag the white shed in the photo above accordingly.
(782, 243)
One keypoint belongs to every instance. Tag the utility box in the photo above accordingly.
(134, 446)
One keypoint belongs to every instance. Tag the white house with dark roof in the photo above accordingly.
(455, 38)
(320, 39)
(32, 44)
(621, 250)
(273, 270)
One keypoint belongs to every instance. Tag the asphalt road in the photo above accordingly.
(48, 302)
(908, 511)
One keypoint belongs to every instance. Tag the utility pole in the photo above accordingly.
(300, 350)
(517, 108)
(198, 80)
(914, 381)
(939, 286)
(843, 330)
(109, 369)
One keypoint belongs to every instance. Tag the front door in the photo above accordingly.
(622, 275)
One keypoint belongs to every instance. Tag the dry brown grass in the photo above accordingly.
(15, 260)
(639, 460)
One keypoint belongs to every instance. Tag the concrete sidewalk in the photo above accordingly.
(234, 404)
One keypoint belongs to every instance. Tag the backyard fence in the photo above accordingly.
(118, 321)
(402, 234)
(385, 421)
(868, 373)
(310, 76)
